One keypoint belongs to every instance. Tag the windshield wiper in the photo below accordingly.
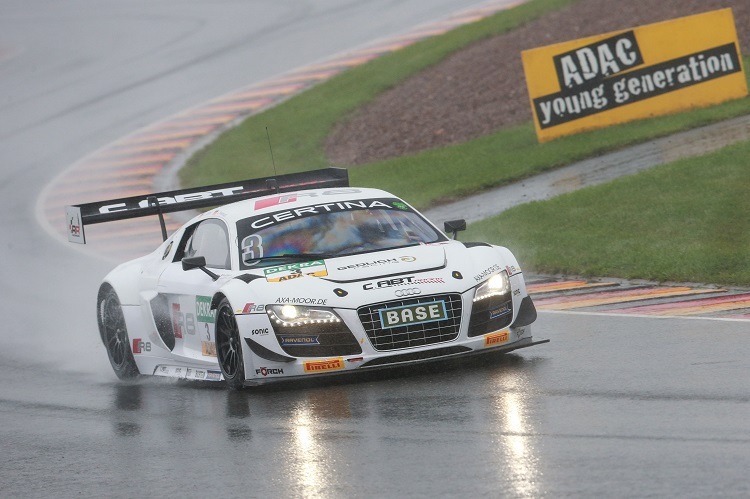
(293, 256)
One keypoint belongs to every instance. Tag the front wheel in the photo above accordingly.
(229, 346)
(114, 333)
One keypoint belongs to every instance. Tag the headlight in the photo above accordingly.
(496, 285)
(293, 315)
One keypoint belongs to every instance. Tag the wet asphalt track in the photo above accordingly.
(613, 406)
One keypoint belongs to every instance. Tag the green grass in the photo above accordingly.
(299, 125)
(585, 237)
(683, 222)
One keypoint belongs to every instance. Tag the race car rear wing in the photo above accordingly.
(78, 216)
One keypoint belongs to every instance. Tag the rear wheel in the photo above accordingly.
(115, 334)
(229, 346)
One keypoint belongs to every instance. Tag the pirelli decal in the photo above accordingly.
(498, 338)
(319, 366)
(646, 71)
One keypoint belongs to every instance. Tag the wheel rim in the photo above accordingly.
(115, 333)
(228, 343)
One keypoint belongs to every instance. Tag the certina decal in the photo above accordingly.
(265, 371)
(208, 348)
(317, 366)
(486, 272)
(252, 307)
(203, 310)
(140, 346)
(413, 314)
(179, 198)
(497, 338)
(402, 281)
(299, 340)
(290, 198)
(407, 292)
(253, 224)
(376, 263)
(302, 301)
(280, 273)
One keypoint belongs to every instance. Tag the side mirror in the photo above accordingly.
(455, 226)
(197, 262)
(193, 262)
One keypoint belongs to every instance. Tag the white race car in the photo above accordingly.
(293, 282)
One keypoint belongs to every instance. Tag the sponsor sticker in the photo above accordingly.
(279, 273)
(75, 226)
(299, 340)
(302, 301)
(497, 338)
(275, 201)
(208, 348)
(203, 310)
(402, 281)
(265, 371)
(495, 313)
(413, 314)
(377, 263)
(140, 346)
(317, 366)
(252, 307)
(486, 272)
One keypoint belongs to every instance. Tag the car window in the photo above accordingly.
(335, 228)
(211, 240)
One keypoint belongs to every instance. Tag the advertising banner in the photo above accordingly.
(642, 72)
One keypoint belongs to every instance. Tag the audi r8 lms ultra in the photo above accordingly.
(300, 275)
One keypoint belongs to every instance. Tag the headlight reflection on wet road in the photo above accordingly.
(517, 455)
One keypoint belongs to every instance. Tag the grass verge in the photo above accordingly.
(682, 222)
(704, 241)
(299, 125)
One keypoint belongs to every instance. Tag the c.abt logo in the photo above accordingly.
(497, 338)
(318, 366)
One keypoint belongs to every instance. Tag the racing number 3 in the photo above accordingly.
(252, 248)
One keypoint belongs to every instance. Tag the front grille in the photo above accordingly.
(317, 340)
(490, 314)
(412, 335)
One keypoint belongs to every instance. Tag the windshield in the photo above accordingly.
(333, 229)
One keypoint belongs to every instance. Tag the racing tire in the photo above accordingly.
(229, 346)
(114, 333)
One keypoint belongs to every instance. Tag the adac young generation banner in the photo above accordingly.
(646, 71)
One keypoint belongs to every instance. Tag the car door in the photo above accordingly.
(184, 297)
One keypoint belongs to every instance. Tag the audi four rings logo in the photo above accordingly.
(407, 292)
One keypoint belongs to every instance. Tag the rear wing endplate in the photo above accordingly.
(79, 216)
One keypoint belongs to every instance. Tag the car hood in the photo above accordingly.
(383, 263)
